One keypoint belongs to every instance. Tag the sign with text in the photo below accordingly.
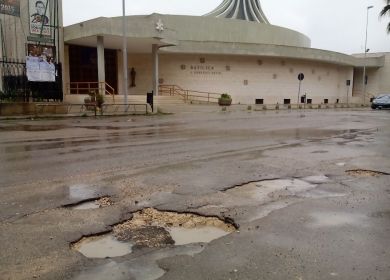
(40, 70)
(10, 7)
(39, 13)
(201, 69)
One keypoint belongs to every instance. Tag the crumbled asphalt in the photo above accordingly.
(186, 162)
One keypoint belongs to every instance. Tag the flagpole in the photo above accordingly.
(124, 51)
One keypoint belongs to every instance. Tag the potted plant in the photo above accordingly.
(225, 100)
(99, 100)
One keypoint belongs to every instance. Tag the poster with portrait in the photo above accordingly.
(39, 13)
(10, 7)
(40, 63)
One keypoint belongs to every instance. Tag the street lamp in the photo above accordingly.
(124, 51)
(365, 57)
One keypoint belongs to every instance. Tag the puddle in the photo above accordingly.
(21, 127)
(144, 267)
(270, 190)
(153, 228)
(183, 236)
(334, 219)
(365, 173)
(111, 270)
(103, 246)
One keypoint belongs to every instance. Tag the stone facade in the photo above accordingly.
(246, 78)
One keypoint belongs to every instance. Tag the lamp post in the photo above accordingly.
(124, 51)
(365, 57)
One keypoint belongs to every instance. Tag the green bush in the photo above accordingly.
(225, 96)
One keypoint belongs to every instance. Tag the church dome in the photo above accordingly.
(249, 10)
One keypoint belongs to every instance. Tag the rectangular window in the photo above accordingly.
(287, 101)
(259, 101)
(303, 99)
(326, 101)
(309, 101)
(338, 101)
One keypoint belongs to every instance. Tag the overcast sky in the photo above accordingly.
(337, 25)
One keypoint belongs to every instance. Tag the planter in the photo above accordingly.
(224, 102)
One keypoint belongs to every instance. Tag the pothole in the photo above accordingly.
(93, 203)
(153, 228)
(102, 246)
(264, 191)
(365, 173)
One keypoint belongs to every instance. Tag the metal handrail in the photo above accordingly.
(81, 87)
(189, 95)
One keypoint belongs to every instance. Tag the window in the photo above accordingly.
(337, 101)
(326, 101)
(309, 101)
(259, 101)
(287, 101)
(303, 99)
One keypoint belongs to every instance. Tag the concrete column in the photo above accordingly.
(1, 68)
(155, 76)
(62, 58)
(101, 64)
(1, 76)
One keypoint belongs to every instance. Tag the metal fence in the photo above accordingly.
(16, 87)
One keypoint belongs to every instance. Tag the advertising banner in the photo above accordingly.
(39, 12)
(10, 7)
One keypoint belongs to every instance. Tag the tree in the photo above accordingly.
(385, 11)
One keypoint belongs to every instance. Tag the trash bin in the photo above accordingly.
(149, 99)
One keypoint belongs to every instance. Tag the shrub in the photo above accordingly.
(225, 96)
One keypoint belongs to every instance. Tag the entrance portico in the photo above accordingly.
(105, 35)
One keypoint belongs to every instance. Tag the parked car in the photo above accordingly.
(382, 101)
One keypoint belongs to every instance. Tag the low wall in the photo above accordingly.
(20, 109)
(15, 109)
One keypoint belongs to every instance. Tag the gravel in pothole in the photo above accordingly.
(153, 228)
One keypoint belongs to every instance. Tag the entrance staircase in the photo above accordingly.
(170, 96)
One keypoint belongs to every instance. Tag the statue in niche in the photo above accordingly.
(133, 74)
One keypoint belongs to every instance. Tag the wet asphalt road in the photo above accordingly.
(191, 162)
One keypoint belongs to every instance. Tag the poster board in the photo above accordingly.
(39, 17)
(40, 63)
(10, 7)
